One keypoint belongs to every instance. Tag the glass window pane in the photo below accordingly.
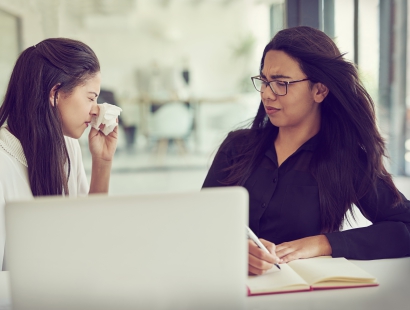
(344, 27)
(369, 46)
(277, 17)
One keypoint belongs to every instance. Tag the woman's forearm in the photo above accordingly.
(100, 176)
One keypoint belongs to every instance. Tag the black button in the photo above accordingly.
(264, 205)
(274, 180)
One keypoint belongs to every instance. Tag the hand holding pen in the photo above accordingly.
(262, 263)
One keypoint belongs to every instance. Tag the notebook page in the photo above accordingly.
(319, 269)
(276, 280)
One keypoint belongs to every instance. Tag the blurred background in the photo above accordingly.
(180, 70)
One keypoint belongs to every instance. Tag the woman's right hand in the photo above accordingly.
(258, 260)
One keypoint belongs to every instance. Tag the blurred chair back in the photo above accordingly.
(171, 121)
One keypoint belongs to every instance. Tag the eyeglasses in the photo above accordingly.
(280, 88)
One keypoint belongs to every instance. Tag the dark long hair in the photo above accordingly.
(30, 116)
(348, 161)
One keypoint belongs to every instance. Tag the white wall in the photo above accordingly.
(33, 17)
(205, 34)
(128, 34)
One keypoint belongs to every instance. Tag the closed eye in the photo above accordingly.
(280, 83)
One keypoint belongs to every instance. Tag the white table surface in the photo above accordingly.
(4, 291)
(392, 293)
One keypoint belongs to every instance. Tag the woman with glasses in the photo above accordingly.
(312, 152)
(50, 101)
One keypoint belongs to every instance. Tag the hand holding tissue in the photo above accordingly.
(108, 116)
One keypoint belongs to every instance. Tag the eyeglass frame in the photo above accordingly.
(258, 77)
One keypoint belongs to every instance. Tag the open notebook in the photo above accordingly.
(310, 274)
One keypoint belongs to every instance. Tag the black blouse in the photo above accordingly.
(284, 205)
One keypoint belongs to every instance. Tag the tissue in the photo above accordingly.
(107, 116)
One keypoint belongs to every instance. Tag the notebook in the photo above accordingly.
(316, 273)
(167, 251)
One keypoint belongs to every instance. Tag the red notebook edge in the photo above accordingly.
(312, 289)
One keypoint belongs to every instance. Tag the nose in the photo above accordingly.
(94, 109)
(268, 94)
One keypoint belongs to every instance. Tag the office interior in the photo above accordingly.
(180, 70)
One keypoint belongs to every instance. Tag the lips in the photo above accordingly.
(271, 110)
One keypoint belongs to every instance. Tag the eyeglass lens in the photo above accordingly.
(278, 87)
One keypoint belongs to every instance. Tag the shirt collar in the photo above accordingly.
(309, 145)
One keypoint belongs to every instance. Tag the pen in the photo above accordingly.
(255, 239)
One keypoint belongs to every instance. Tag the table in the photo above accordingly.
(392, 294)
(4, 291)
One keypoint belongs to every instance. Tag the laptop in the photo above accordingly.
(163, 251)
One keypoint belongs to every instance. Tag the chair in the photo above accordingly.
(171, 122)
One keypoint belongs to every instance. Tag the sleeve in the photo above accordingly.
(387, 237)
(82, 182)
(217, 172)
(77, 183)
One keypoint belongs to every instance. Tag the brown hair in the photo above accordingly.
(29, 114)
(348, 161)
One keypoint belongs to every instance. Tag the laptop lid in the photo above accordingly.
(164, 251)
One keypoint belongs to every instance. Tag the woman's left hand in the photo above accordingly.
(303, 248)
(102, 147)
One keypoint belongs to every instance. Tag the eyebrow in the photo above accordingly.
(274, 77)
(91, 92)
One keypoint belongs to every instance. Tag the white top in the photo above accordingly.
(14, 182)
